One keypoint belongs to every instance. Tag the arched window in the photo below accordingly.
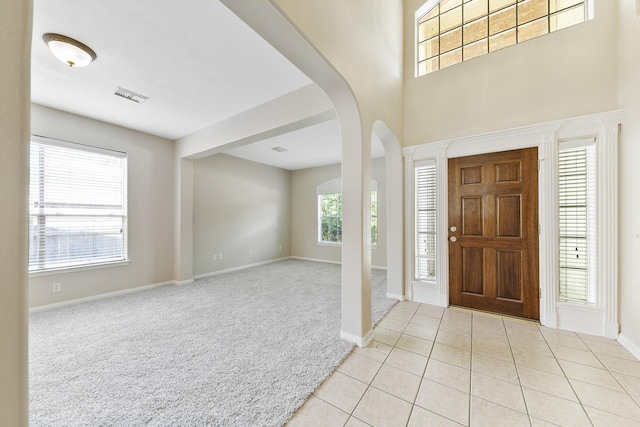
(452, 31)
(330, 212)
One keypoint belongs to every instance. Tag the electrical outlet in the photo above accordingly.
(56, 287)
(220, 256)
(215, 257)
(279, 248)
(250, 252)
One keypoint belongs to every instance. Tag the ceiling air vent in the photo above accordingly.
(130, 95)
(279, 149)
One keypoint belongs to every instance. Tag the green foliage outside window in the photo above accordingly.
(374, 218)
(331, 217)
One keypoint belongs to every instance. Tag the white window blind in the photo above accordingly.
(77, 205)
(577, 203)
(425, 184)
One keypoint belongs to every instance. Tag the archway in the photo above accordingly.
(394, 203)
(267, 20)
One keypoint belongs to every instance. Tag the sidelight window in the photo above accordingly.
(425, 202)
(452, 31)
(577, 220)
(77, 205)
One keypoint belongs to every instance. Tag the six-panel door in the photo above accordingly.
(493, 232)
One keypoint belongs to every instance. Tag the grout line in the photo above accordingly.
(425, 370)
(471, 335)
(567, 378)
(515, 364)
(610, 373)
(471, 368)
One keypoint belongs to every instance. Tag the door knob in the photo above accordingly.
(453, 239)
(453, 229)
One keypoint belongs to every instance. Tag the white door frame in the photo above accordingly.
(597, 319)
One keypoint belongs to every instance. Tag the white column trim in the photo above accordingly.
(442, 224)
(607, 234)
(547, 217)
(409, 226)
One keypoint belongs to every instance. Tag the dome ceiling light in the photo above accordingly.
(70, 51)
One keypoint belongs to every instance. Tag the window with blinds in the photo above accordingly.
(425, 187)
(77, 205)
(576, 190)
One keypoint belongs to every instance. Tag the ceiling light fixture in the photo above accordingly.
(68, 50)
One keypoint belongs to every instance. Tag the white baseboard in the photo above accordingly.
(316, 260)
(359, 341)
(611, 330)
(98, 297)
(629, 345)
(242, 267)
(182, 282)
(395, 296)
(376, 267)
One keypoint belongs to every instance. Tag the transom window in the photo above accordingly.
(330, 212)
(452, 31)
(77, 205)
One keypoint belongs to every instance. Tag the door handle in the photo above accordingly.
(453, 239)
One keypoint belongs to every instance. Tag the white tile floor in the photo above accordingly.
(430, 366)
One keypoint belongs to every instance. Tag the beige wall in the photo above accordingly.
(15, 43)
(150, 208)
(240, 209)
(363, 40)
(304, 213)
(629, 175)
(565, 74)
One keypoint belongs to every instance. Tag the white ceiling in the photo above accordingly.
(197, 62)
(316, 145)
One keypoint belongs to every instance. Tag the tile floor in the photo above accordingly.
(430, 366)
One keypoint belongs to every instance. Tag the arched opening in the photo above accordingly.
(394, 203)
(267, 20)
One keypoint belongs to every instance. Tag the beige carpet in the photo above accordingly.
(239, 349)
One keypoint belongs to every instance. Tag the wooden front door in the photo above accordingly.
(493, 232)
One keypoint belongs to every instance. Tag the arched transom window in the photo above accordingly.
(452, 31)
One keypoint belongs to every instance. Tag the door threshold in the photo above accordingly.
(491, 313)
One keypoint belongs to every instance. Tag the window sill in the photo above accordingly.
(338, 244)
(64, 270)
(579, 306)
(426, 283)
